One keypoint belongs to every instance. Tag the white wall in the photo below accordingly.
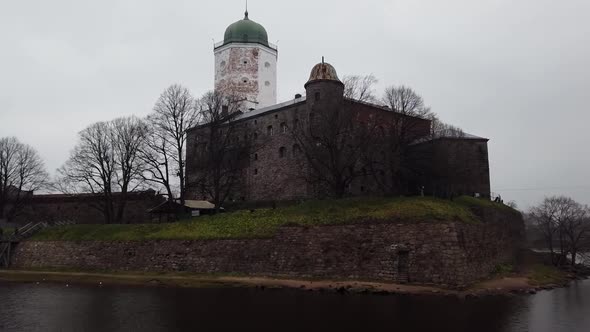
(249, 70)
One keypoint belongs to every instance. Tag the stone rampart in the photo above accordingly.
(453, 253)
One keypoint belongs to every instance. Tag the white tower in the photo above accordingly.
(246, 64)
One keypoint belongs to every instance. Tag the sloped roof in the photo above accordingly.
(201, 205)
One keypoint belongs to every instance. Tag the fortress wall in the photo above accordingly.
(453, 254)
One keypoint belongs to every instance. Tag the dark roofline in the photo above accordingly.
(468, 137)
(383, 108)
(260, 112)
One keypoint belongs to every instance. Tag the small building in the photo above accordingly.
(172, 210)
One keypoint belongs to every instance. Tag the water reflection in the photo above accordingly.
(52, 307)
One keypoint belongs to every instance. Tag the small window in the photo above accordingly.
(244, 80)
(255, 122)
(222, 63)
(317, 96)
(255, 135)
(276, 116)
(362, 189)
(283, 128)
(256, 171)
(311, 115)
(256, 156)
(267, 64)
(269, 131)
(267, 83)
(282, 152)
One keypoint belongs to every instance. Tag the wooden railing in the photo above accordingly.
(8, 241)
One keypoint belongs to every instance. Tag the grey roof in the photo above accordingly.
(270, 108)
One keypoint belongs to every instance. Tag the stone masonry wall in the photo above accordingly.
(453, 254)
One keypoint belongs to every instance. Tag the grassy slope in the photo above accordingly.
(265, 222)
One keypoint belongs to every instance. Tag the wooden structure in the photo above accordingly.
(174, 210)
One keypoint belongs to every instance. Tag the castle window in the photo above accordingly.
(255, 122)
(256, 156)
(276, 116)
(244, 80)
(362, 189)
(269, 130)
(255, 135)
(283, 128)
(267, 83)
(282, 152)
(256, 171)
(317, 96)
(267, 64)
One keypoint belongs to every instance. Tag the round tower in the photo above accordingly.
(246, 64)
(323, 88)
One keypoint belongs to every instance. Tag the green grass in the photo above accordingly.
(483, 203)
(265, 222)
(545, 274)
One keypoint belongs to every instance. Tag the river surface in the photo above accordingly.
(55, 307)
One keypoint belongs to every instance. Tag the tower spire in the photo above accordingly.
(246, 13)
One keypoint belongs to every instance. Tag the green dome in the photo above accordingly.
(245, 31)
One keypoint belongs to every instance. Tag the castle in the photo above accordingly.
(277, 165)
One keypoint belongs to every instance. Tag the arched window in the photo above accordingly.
(269, 130)
(282, 152)
(283, 128)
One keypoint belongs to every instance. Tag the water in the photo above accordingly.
(55, 307)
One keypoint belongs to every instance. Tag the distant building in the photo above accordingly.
(85, 208)
(245, 63)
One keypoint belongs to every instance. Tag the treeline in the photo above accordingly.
(565, 227)
(114, 158)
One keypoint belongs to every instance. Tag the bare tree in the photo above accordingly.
(106, 161)
(440, 129)
(174, 113)
(334, 142)
(21, 172)
(359, 87)
(564, 222)
(391, 163)
(223, 147)
(156, 155)
(128, 138)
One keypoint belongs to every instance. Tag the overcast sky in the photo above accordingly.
(516, 72)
